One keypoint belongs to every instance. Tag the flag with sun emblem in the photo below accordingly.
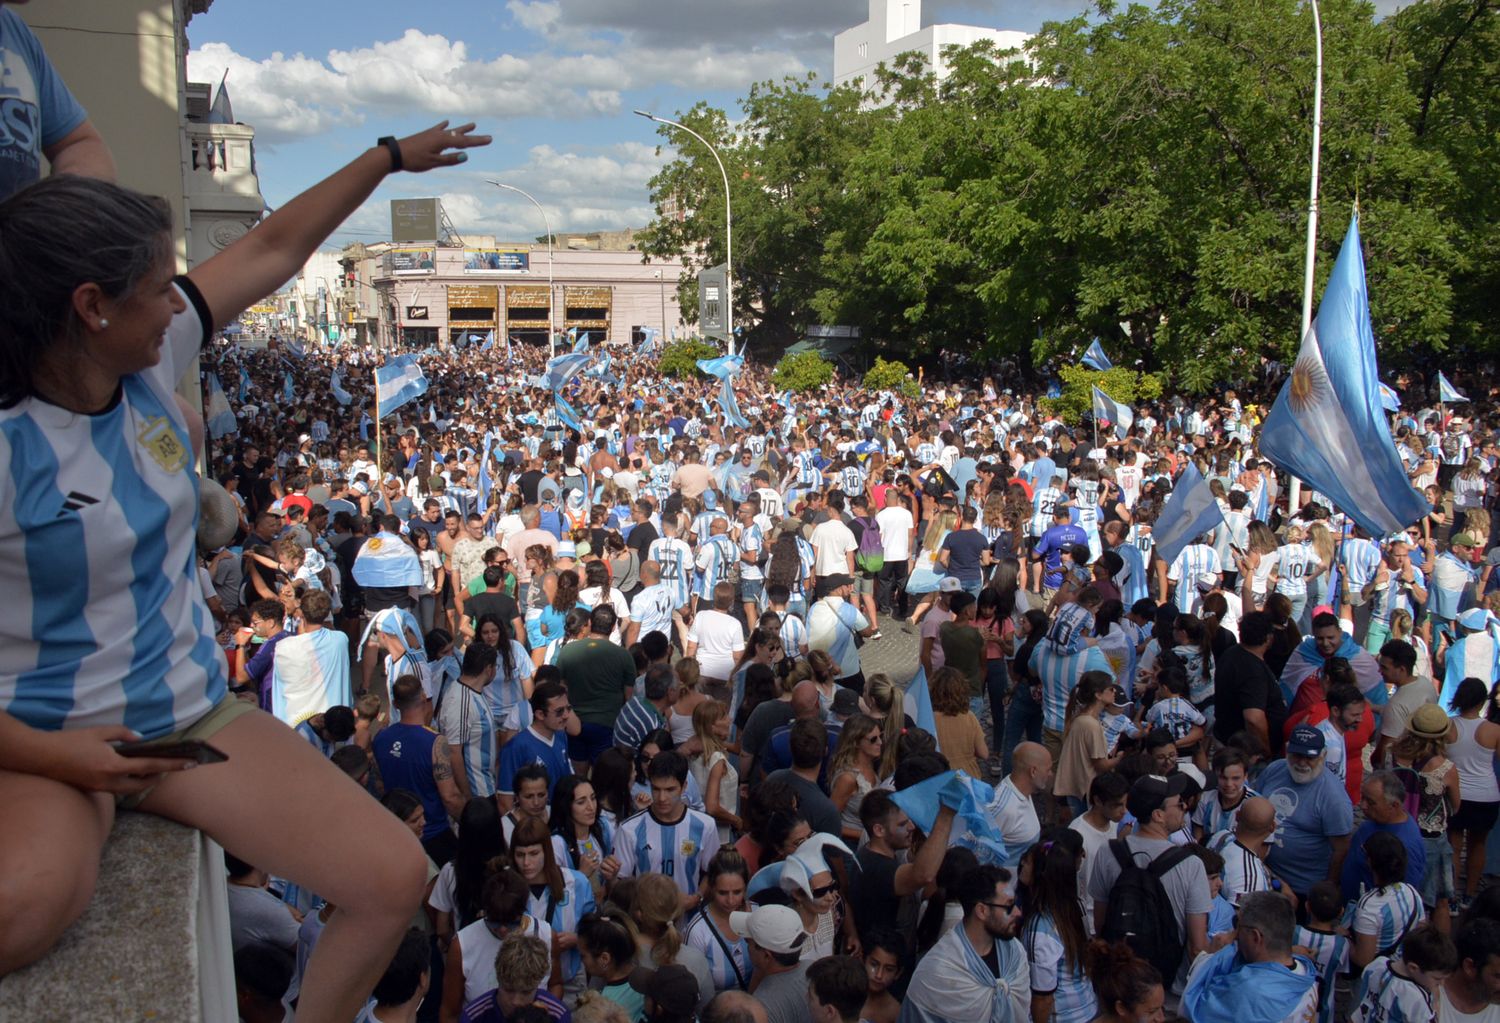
(1327, 427)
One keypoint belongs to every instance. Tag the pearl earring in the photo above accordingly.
(103, 323)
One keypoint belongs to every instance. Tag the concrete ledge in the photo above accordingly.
(153, 945)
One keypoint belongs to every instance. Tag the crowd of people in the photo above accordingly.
(531, 703)
(617, 688)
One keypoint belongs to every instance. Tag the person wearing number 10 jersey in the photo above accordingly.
(668, 837)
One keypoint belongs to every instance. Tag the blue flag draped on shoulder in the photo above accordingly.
(1227, 989)
(287, 394)
(1389, 399)
(244, 385)
(388, 562)
(564, 368)
(1327, 427)
(1191, 511)
(397, 382)
(336, 385)
(731, 407)
(1095, 358)
(1109, 411)
(723, 367)
(218, 416)
(1447, 393)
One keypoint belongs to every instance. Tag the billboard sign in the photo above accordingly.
(411, 261)
(497, 261)
(713, 306)
(414, 220)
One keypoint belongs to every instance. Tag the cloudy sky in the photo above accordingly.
(553, 80)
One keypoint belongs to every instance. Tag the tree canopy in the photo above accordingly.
(1136, 174)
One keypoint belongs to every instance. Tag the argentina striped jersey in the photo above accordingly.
(98, 530)
(722, 952)
(646, 845)
(676, 560)
(465, 719)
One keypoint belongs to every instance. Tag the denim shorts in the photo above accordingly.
(1437, 883)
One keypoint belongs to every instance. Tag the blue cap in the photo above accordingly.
(1305, 741)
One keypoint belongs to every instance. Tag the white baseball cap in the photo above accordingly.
(774, 928)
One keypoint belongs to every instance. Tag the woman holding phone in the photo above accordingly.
(108, 639)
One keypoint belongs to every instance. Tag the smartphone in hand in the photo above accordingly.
(193, 749)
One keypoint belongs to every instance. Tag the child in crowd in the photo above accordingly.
(1073, 628)
(1320, 940)
(1400, 988)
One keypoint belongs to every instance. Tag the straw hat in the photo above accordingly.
(1429, 722)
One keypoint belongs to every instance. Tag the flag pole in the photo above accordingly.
(1294, 497)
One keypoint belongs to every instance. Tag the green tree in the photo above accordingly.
(1078, 382)
(680, 358)
(804, 371)
(890, 375)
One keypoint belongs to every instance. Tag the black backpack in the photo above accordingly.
(1139, 912)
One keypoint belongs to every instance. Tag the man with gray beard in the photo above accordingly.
(1313, 815)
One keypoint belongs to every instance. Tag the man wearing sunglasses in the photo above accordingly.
(978, 970)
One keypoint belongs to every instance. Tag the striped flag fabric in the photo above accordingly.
(564, 368)
(1389, 399)
(1111, 412)
(1447, 393)
(973, 828)
(919, 704)
(731, 407)
(723, 367)
(295, 347)
(1191, 511)
(336, 385)
(309, 675)
(1475, 655)
(1095, 358)
(1306, 662)
(1326, 427)
(387, 561)
(218, 416)
(398, 382)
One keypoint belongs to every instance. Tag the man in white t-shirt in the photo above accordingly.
(1097, 825)
(1013, 810)
(897, 538)
(833, 545)
(717, 639)
(1346, 711)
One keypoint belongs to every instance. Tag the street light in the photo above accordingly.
(1294, 496)
(728, 226)
(551, 333)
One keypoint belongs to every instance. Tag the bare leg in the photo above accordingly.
(49, 862)
(278, 804)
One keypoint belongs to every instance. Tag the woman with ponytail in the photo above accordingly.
(1085, 750)
(656, 907)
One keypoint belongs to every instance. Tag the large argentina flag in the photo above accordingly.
(397, 382)
(1327, 427)
(388, 562)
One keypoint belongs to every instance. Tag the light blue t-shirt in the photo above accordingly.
(1307, 818)
(36, 108)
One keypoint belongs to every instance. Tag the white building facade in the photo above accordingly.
(894, 28)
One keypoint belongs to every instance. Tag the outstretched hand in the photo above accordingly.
(428, 149)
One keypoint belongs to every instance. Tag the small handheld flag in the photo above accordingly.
(218, 416)
(1447, 393)
(1108, 411)
(1095, 358)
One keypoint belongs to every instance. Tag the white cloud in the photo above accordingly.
(300, 96)
(595, 190)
